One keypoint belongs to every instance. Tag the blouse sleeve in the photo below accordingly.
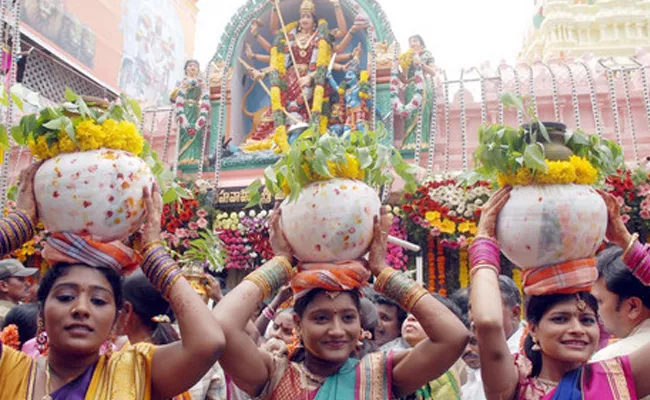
(15, 369)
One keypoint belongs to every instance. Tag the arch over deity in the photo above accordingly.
(270, 76)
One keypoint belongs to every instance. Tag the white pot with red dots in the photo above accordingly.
(550, 224)
(95, 192)
(331, 220)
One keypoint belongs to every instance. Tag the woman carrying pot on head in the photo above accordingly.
(79, 299)
(328, 323)
(563, 324)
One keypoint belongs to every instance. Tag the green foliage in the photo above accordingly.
(208, 248)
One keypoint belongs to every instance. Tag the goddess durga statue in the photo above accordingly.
(298, 67)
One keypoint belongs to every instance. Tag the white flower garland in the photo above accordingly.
(204, 106)
(406, 111)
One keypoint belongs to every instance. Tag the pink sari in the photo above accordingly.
(606, 380)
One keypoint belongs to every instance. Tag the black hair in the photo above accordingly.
(451, 305)
(61, 269)
(419, 38)
(385, 301)
(25, 317)
(147, 304)
(315, 19)
(190, 61)
(619, 279)
(509, 291)
(461, 299)
(536, 308)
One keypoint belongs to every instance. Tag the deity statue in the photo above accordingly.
(192, 103)
(298, 64)
(353, 95)
(416, 57)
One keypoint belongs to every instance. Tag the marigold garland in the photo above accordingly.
(463, 265)
(402, 110)
(577, 170)
(440, 270)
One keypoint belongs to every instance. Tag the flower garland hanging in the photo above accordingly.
(463, 268)
(516, 276)
(406, 111)
(204, 106)
(322, 62)
(440, 269)
(396, 257)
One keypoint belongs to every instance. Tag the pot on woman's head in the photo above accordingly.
(331, 220)
(96, 192)
(551, 224)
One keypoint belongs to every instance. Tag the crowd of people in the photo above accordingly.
(83, 331)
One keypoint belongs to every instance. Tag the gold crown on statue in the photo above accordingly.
(308, 6)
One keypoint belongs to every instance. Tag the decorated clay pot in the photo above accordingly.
(331, 220)
(551, 224)
(97, 192)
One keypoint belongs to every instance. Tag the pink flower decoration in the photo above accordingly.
(202, 223)
(645, 214)
(186, 243)
(625, 218)
(193, 225)
(182, 233)
(201, 213)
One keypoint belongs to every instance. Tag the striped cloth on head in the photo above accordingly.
(348, 275)
(81, 249)
(566, 278)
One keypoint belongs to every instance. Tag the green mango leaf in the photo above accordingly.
(18, 135)
(18, 101)
(4, 138)
(170, 196)
(55, 124)
(544, 132)
(365, 159)
(512, 100)
(70, 95)
(254, 196)
(136, 108)
(534, 158)
(12, 193)
(69, 129)
(320, 164)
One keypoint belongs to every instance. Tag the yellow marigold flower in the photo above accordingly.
(90, 136)
(66, 145)
(524, 176)
(276, 98)
(463, 227)
(557, 173)
(586, 174)
(506, 179)
(448, 226)
(364, 76)
(286, 189)
(473, 229)
(307, 170)
(432, 216)
(332, 167)
(280, 139)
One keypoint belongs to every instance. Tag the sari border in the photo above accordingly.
(31, 383)
(616, 378)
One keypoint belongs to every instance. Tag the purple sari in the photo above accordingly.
(75, 390)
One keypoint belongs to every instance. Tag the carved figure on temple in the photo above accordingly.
(298, 63)
(353, 94)
(192, 103)
(414, 65)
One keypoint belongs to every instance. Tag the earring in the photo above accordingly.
(535, 346)
(109, 344)
(42, 342)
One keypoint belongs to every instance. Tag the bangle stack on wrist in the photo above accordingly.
(400, 288)
(637, 259)
(484, 253)
(15, 229)
(272, 276)
(160, 268)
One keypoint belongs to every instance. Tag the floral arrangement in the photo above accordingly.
(314, 158)
(406, 60)
(518, 157)
(446, 208)
(406, 111)
(9, 337)
(396, 257)
(245, 238)
(79, 126)
(632, 190)
(185, 217)
(204, 106)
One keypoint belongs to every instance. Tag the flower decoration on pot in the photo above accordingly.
(33, 248)
(632, 190)
(553, 216)
(446, 207)
(329, 182)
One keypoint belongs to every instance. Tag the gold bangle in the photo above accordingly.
(171, 285)
(284, 261)
(413, 296)
(383, 278)
(147, 246)
(483, 266)
(635, 237)
(261, 283)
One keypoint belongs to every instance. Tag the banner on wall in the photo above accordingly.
(136, 46)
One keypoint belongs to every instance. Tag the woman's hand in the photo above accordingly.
(154, 205)
(377, 252)
(214, 288)
(617, 232)
(248, 50)
(26, 201)
(279, 243)
(487, 225)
